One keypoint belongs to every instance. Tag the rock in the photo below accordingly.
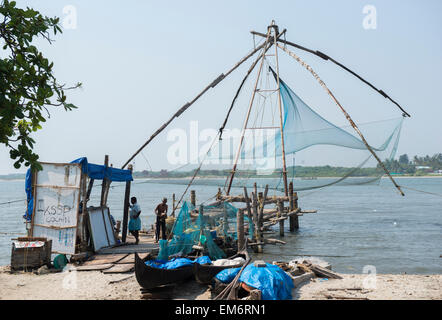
(43, 270)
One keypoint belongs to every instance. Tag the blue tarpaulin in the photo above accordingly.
(227, 275)
(176, 263)
(99, 172)
(273, 282)
(94, 171)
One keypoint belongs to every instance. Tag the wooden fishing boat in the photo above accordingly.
(204, 273)
(149, 277)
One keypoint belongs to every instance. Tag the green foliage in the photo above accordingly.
(435, 161)
(401, 166)
(405, 166)
(27, 83)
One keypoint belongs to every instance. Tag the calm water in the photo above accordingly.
(355, 225)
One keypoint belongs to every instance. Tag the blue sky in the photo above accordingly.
(139, 61)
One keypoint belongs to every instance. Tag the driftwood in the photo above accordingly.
(309, 211)
(274, 241)
(120, 280)
(328, 296)
(322, 272)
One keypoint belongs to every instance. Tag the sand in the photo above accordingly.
(94, 285)
(385, 287)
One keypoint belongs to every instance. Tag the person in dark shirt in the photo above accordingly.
(161, 213)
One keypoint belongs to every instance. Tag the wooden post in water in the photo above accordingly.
(249, 211)
(104, 183)
(193, 197)
(291, 207)
(240, 228)
(256, 221)
(261, 212)
(173, 205)
(295, 199)
(280, 205)
(225, 221)
(126, 209)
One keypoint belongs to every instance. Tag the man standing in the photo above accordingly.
(161, 212)
(135, 221)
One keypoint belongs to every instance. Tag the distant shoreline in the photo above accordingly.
(263, 177)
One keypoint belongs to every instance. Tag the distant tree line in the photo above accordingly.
(402, 165)
(418, 166)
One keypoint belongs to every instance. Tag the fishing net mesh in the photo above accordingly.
(318, 153)
(191, 228)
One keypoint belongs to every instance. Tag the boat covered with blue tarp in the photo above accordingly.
(271, 280)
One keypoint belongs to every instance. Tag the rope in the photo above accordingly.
(197, 170)
(355, 127)
(422, 191)
(13, 201)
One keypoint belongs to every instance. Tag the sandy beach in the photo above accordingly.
(94, 285)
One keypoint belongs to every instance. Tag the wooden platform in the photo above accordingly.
(146, 244)
(120, 259)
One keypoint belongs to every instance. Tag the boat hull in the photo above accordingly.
(149, 277)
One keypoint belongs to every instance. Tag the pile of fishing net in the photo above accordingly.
(201, 228)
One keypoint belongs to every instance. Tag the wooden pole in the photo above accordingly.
(261, 212)
(187, 105)
(256, 222)
(291, 206)
(240, 228)
(104, 184)
(84, 222)
(173, 205)
(326, 57)
(126, 209)
(281, 222)
(246, 121)
(193, 197)
(295, 198)
(284, 167)
(225, 221)
(249, 210)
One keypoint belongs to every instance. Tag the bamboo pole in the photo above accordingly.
(326, 57)
(249, 110)
(281, 123)
(187, 105)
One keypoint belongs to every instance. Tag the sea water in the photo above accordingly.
(355, 226)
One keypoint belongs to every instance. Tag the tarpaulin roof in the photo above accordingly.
(99, 172)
